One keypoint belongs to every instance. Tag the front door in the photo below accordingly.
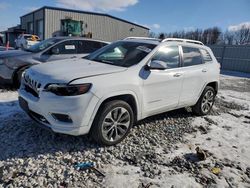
(161, 88)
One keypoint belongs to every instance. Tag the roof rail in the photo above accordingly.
(182, 40)
(142, 38)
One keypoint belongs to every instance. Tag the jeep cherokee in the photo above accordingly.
(105, 93)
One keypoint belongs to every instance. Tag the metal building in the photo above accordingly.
(47, 22)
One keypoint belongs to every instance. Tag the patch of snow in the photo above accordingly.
(8, 104)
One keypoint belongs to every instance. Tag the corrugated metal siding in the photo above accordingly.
(235, 58)
(101, 27)
(38, 15)
(25, 20)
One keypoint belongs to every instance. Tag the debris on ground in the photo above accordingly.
(201, 154)
(147, 185)
(203, 129)
(216, 170)
(86, 166)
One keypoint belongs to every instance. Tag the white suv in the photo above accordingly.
(25, 41)
(105, 93)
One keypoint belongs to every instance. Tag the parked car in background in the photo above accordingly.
(14, 62)
(3, 48)
(25, 41)
(126, 81)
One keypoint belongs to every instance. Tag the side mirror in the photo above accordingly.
(55, 51)
(156, 64)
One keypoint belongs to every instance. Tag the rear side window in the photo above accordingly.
(168, 55)
(68, 47)
(86, 47)
(205, 55)
(191, 56)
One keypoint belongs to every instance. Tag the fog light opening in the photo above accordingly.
(62, 117)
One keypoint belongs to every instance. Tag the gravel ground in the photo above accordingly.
(33, 157)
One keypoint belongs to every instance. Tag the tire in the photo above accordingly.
(205, 102)
(18, 77)
(112, 123)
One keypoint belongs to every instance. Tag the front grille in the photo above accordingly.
(32, 86)
(31, 91)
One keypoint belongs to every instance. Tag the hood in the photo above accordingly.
(13, 53)
(64, 71)
(19, 58)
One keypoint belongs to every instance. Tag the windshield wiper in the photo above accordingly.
(103, 61)
(106, 61)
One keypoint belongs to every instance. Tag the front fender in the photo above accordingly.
(115, 94)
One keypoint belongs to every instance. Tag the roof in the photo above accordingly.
(143, 40)
(168, 40)
(79, 38)
(84, 12)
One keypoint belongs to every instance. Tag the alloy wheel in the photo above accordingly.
(116, 124)
(207, 101)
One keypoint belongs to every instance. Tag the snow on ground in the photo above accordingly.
(8, 104)
(159, 152)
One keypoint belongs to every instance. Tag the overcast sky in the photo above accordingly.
(158, 15)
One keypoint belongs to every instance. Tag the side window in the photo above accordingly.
(168, 55)
(86, 47)
(103, 44)
(67, 47)
(205, 55)
(191, 56)
(96, 45)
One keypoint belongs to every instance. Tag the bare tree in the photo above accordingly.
(161, 36)
(215, 33)
(228, 37)
(242, 36)
(207, 36)
(152, 35)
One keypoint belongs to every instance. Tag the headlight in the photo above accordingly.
(68, 90)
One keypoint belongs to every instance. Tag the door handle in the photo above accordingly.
(204, 70)
(177, 75)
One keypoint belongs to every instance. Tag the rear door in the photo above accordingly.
(87, 46)
(65, 50)
(194, 71)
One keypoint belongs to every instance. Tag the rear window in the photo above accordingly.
(205, 55)
(27, 36)
(86, 46)
(191, 56)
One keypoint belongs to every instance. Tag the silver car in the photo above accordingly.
(14, 62)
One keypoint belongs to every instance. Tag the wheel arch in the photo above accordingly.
(14, 75)
(129, 97)
(213, 84)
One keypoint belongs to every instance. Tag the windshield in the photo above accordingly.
(122, 53)
(43, 45)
